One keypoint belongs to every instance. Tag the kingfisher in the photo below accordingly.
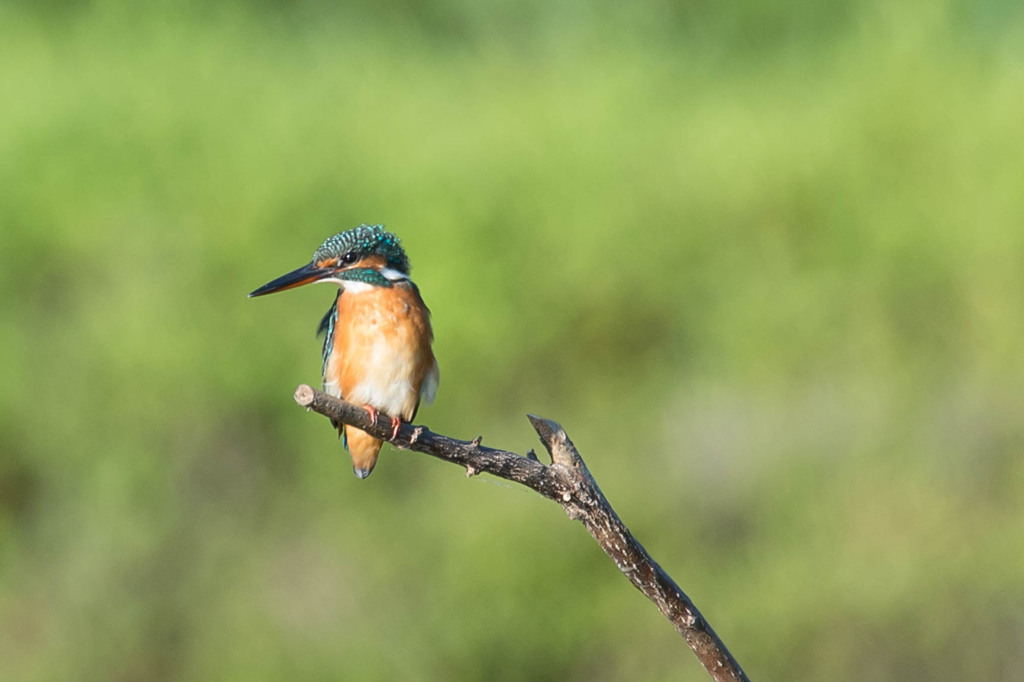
(377, 334)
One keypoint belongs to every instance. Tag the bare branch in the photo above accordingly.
(567, 481)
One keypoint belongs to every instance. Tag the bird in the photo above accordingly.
(377, 334)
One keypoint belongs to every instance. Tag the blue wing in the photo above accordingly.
(326, 327)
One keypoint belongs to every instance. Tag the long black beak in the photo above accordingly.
(296, 278)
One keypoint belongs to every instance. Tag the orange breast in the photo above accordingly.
(381, 353)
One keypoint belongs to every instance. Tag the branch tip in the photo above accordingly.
(304, 395)
(555, 439)
(549, 431)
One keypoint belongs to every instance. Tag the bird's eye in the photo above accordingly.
(349, 258)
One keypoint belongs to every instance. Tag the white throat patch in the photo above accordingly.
(356, 287)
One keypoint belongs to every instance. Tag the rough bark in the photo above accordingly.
(567, 481)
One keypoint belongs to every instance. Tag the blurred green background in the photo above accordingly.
(763, 260)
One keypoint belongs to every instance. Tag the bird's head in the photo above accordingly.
(363, 256)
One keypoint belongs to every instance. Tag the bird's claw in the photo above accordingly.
(396, 423)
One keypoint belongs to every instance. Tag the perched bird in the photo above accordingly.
(377, 334)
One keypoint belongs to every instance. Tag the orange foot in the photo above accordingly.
(372, 411)
(396, 424)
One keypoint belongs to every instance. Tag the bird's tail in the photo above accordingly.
(364, 449)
